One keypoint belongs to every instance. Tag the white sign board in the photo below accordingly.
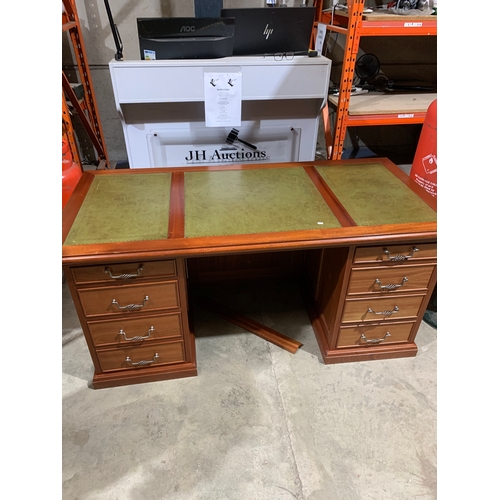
(203, 146)
(320, 38)
(222, 99)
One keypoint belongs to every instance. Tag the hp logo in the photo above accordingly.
(267, 31)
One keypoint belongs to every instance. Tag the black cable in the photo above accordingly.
(115, 32)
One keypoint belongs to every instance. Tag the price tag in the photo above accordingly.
(320, 38)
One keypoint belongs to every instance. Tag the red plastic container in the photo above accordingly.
(71, 173)
(424, 167)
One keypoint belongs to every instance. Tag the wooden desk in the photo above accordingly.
(361, 234)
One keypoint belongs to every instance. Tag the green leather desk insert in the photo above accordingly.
(232, 202)
(123, 208)
(136, 206)
(374, 196)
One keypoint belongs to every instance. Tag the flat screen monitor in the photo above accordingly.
(185, 37)
(271, 30)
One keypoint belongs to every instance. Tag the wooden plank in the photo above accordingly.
(378, 103)
(252, 326)
(384, 15)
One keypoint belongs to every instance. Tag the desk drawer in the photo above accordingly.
(374, 335)
(381, 309)
(131, 331)
(398, 253)
(120, 272)
(130, 298)
(144, 356)
(395, 279)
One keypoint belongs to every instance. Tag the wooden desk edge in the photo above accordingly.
(178, 246)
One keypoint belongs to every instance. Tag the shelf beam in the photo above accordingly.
(354, 24)
(86, 109)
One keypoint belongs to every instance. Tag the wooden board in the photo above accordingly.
(378, 104)
(387, 16)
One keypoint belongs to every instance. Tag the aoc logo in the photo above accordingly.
(188, 29)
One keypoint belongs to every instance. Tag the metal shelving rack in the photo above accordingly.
(354, 24)
(86, 107)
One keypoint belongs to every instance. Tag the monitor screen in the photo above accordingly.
(185, 37)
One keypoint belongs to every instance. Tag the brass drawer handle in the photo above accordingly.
(384, 313)
(131, 307)
(124, 276)
(399, 257)
(138, 337)
(142, 363)
(391, 286)
(374, 341)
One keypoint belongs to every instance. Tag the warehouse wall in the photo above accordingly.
(100, 48)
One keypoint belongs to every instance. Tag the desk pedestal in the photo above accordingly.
(369, 301)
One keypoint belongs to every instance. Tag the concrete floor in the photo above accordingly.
(257, 423)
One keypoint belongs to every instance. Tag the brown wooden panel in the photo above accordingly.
(376, 254)
(217, 245)
(98, 301)
(331, 200)
(115, 359)
(176, 215)
(158, 327)
(363, 280)
(88, 274)
(249, 265)
(356, 310)
(119, 378)
(352, 336)
(332, 282)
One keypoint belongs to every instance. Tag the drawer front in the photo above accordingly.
(144, 356)
(121, 272)
(394, 279)
(381, 309)
(129, 298)
(131, 331)
(374, 335)
(396, 253)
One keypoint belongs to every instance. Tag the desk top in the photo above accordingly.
(193, 211)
